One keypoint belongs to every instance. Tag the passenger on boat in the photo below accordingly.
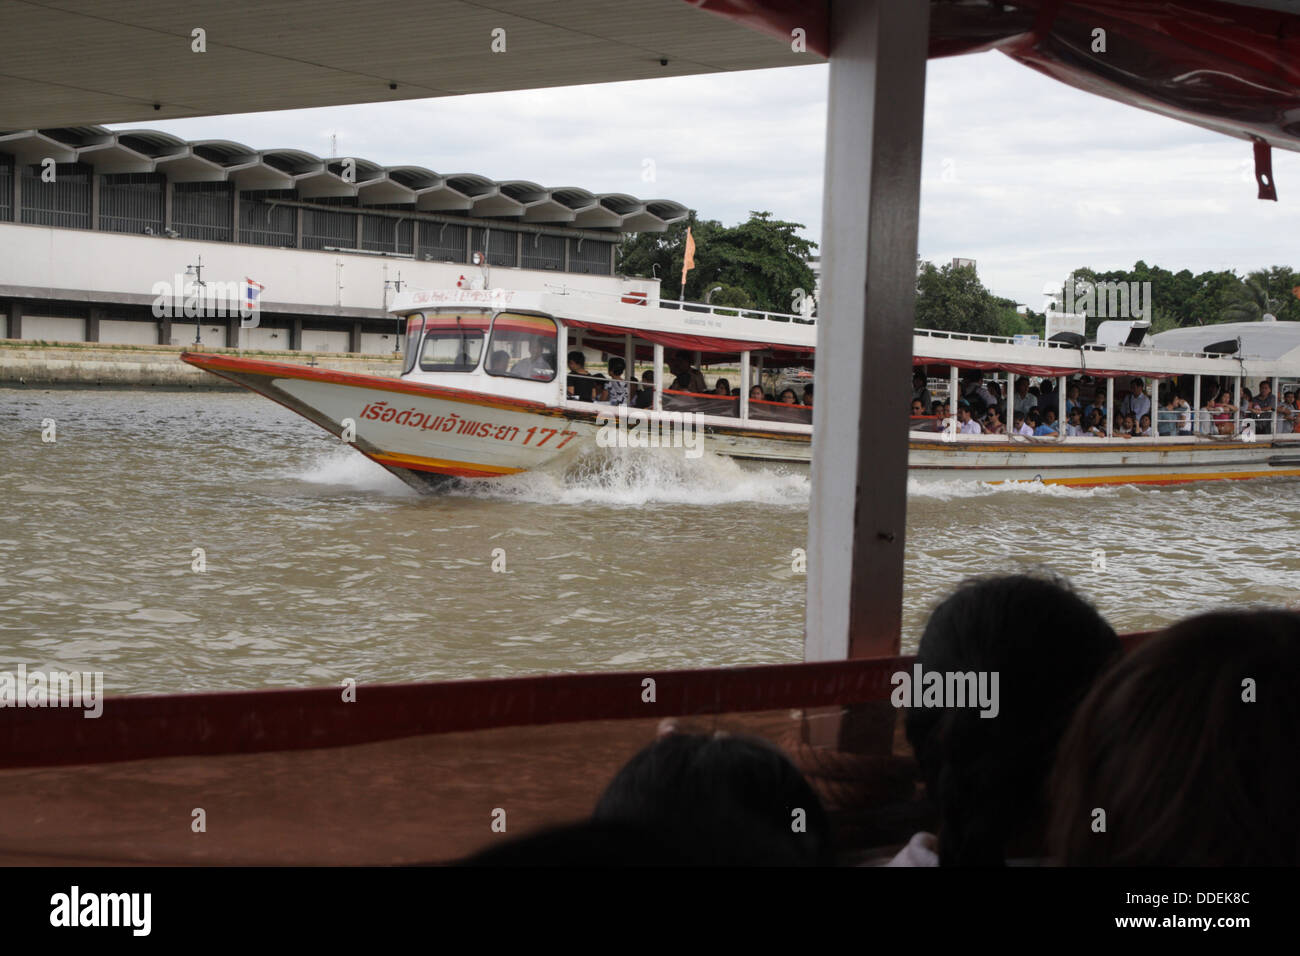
(499, 363)
(808, 394)
(965, 424)
(1144, 426)
(725, 799)
(645, 393)
(987, 778)
(1046, 396)
(1072, 399)
(1263, 406)
(1048, 426)
(689, 379)
(1175, 418)
(1020, 427)
(1025, 403)
(616, 390)
(993, 422)
(1137, 401)
(722, 387)
(1093, 425)
(756, 394)
(583, 386)
(985, 394)
(788, 397)
(1288, 414)
(919, 390)
(1189, 743)
(918, 410)
(1126, 427)
(1073, 428)
(540, 363)
(1221, 410)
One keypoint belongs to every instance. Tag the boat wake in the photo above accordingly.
(965, 489)
(633, 477)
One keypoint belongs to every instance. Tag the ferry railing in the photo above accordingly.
(732, 311)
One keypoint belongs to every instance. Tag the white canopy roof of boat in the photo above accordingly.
(1275, 341)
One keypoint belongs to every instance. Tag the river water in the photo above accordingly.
(317, 565)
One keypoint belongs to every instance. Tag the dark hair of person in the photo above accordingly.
(590, 843)
(1189, 747)
(617, 366)
(576, 356)
(724, 800)
(988, 776)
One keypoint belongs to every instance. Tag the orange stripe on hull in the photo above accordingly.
(1170, 479)
(441, 466)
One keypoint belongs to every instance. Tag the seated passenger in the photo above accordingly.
(1048, 426)
(1144, 426)
(540, 363)
(807, 394)
(788, 397)
(722, 800)
(1093, 425)
(1072, 399)
(1130, 427)
(1221, 412)
(965, 424)
(1073, 429)
(1288, 415)
(722, 387)
(987, 773)
(1032, 421)
(1188, 745)
(993, 422)
(688, 379)
(616, 390)
(499, 363)
(756, 394)
(918, 410)
(645, 393)
(1019, 427)
(583, 386)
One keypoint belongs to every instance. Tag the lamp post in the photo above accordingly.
(708, 296)
(195, 272)
(396, 286)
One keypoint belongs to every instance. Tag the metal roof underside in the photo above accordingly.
(71, 62)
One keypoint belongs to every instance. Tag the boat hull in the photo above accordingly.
(430, 434)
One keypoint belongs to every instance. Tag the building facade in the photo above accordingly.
(106, 236)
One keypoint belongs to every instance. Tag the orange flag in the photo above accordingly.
(1296, 292)
(688, 263)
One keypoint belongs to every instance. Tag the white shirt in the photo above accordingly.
(1139, 405)
(1026, 431)
(971, 427)
(1072, 431)
(1026, 405)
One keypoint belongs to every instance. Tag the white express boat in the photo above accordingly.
(480, 395)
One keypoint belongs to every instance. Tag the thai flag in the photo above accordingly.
(251, 292)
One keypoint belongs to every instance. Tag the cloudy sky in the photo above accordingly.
(1023, 174)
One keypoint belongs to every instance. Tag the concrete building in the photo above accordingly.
(98, 227)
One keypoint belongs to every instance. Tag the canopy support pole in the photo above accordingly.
(1011, 406)
(1110, 407)
(1236, 400)
(858, 512)
(659, 377)
(1060, 407)
(950, 425)
(1277, 398)
(745, 386)
(1196, 405)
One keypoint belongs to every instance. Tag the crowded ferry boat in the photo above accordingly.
(497, 382)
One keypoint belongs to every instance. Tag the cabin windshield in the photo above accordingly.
(523, 346)
(453, 341)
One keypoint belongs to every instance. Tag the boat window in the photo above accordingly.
(453, 342)
(523, 346)
(414, 326)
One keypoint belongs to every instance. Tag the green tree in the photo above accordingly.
(1269, 291)
(763, 258)
(954, 300)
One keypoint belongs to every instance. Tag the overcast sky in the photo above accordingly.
(1021, 173)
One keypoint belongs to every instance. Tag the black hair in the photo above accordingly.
(589, 843)
(1188, 745)
(577, 356)
(731, 800)
(987, 776)
(617, 365)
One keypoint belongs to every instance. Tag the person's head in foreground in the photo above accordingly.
(987, 775)
(720, 800)
(1185, 754)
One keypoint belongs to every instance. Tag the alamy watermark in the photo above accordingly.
(1106, 300)
(84, 689)
(622, 427)
(185, 298)
(919, 688)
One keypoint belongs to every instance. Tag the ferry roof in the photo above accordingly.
(1274, 341)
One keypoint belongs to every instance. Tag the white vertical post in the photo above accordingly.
(744, 386)
(1276, 399)
(858, 513)
(1110, 407)
(1236, 400)
(659, 377)
(1060, 407)
(1011, 406)
(951, 424)
(629, 360)
(1196, 405)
